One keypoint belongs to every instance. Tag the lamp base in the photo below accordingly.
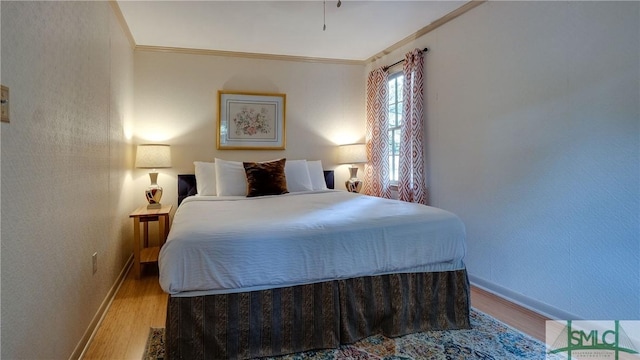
(153, 194)
(353, 185)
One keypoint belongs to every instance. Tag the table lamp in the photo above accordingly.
(153, 156)
(352, 154)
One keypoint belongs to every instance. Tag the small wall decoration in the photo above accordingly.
(251, 121)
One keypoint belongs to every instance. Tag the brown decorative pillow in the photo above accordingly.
(265, 178)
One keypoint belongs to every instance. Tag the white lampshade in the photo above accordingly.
(352, 154)
(153, 156)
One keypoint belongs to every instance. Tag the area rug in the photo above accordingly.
(487, 339)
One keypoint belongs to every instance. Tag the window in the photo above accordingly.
(395, 122)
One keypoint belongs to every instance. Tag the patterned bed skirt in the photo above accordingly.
(316, 316)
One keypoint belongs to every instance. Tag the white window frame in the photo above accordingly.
(395, 113)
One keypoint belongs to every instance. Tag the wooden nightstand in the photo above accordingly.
(148, 254)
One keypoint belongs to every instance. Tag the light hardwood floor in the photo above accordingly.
(141, 304)
(137, 306)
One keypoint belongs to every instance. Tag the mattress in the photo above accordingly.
(220, 245)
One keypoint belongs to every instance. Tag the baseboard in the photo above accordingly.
(90, 333)
(536, 306)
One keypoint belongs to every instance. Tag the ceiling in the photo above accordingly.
(357, 30)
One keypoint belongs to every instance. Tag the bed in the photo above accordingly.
(273, 275)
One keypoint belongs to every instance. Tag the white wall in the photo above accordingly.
(65, 171)
(533, 140)
(177, 103)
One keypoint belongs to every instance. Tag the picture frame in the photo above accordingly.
(251, 121)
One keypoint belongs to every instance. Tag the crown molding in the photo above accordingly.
(123, 23)
(427, 29)
(247, 55)
(167, 49)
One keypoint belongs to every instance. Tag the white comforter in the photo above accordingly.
(236, 244)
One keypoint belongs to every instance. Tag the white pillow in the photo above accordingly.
(316, 174)
(205, 178)
(297, 174)
(231, 179)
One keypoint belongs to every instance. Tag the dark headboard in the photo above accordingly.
(187, 184)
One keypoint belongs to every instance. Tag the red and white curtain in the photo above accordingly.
(376, 178)
(411, 178)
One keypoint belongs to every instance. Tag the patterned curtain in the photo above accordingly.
(376, 171)
(411, 178)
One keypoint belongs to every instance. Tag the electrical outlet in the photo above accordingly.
(94, 258)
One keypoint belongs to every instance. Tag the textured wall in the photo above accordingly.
(177, 103)
(533, 139)
(65, 162)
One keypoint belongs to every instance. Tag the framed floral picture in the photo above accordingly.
(251, 121)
